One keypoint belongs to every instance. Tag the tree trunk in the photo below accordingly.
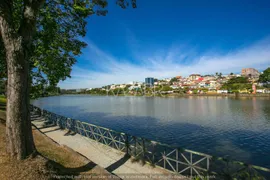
(18, 125)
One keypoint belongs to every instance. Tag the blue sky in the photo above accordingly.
(173, 37)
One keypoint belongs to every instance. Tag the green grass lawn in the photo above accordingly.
(2, 99)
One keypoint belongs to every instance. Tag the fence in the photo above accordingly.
(178, 160)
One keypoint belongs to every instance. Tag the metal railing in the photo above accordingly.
(178, 160)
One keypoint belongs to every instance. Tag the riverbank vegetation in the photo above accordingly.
(237, 84)
(265, 78)
(40, 90)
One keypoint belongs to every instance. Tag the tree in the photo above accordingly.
(265, 77)
(237, 83)
(174, 79)
(220, 75)
(39, 37)
(195, 91)
(231, 73)
(166, 88)
(237, 80)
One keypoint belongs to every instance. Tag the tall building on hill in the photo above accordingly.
(250, 72)
(149, 81)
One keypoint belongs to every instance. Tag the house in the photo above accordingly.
(122, 86)
(222, 91)
(113, 86)
(176, 83)
(134, 83)
(207, 84)
(174, 86)
(134, 87)
(201, 84)
(89, 89)
(260, 91)
(167, 79)
(209, 78)
(213, 84)
(194, 77)
(166, 92)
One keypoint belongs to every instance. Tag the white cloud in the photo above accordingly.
(159, 64)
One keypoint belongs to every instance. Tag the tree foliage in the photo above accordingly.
(237, 83)
(265, 77)
(40, 40)
(238, 80)
(174, 79)
(57, 40)
(166, 88)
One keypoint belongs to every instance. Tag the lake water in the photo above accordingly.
(220, 126)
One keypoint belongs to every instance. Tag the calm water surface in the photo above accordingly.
(218, 126)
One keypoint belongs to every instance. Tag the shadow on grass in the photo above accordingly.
(2, 106)
(59, 169)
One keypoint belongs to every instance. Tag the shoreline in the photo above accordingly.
(223, 95)
(184, 95)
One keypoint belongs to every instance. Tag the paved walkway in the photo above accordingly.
(111, 159)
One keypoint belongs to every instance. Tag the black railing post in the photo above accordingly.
(127, 144)
(143, 146)
(135, 145)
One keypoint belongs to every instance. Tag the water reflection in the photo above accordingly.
(239, 127)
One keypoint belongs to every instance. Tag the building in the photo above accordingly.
(222, 91)
(194, 77)
(113, 86)
(201, 84)
(149, 81)
(167, 79)
(134, 87)
(89, 89)
(213, 84)
(250, 72)
(122, 86)
(209, 77)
